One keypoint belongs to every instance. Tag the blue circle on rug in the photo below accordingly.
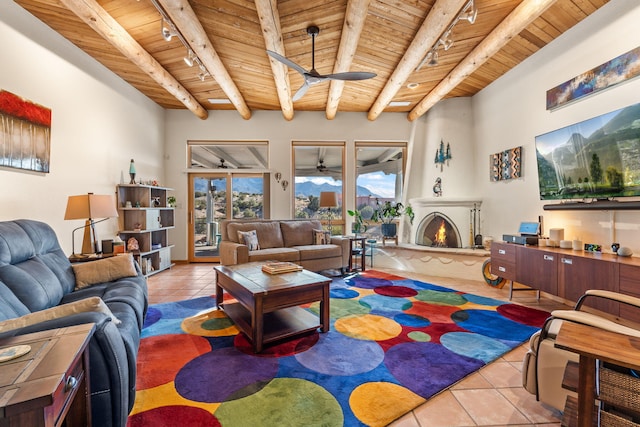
(368, 282)
(153, 315)
(220, 374)
(426, 368)
(329, 357)
(474, 345)
(477, 299)
(492, 324)
(412, 320)
(343, 293)
(384, 303)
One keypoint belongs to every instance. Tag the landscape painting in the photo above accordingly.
(25, 133)
(618, 70)
(598, 158)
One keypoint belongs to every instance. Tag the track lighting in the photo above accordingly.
(169, 30)
(189, 58)
(468, 13)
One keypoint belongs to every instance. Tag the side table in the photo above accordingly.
(356, 257)
(49, 385)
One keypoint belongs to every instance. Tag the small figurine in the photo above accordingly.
(132, 245)
(437, 187)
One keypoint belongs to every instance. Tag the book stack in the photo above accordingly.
(280, 267)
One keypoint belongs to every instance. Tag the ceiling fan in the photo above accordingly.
(321, 167)
(312, 77)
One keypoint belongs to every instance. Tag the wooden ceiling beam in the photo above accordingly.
(104, 24)
(351, 31)
(440, 16)
(523, 15)
(272, 33)
(189, 25)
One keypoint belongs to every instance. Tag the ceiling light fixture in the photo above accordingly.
(468, 13)
(413, 85)
(189, 58)
(169, 30)
(399, 103)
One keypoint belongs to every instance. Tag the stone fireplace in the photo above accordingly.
(446, 222)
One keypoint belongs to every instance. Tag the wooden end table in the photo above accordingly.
(49, 385)
(267, 307)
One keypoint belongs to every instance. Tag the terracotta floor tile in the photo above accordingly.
(472, 381)
(489, 407)
(530, 407)
(442, 410)
(502, 374)
(408, 420)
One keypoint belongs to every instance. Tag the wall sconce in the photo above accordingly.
(442, 155)
(277, 176)
(284, 184)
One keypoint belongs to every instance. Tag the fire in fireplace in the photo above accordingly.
(437, 230)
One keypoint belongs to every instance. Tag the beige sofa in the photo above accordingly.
(283, 240)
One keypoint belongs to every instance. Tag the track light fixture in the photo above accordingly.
(189, 58)
(468, 13)
(169, 30)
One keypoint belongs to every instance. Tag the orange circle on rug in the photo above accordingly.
(368, 327)
(153, 370)
(212, 323)
(379, 403)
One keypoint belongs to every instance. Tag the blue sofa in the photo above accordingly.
(35, 275)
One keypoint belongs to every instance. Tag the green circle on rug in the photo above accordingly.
(443, 298)
(342, 307)
(419, 336)
(284, 401)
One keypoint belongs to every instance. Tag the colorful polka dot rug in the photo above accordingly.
(393, 344)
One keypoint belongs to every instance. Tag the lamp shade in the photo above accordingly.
(328, 199)
(90, 205)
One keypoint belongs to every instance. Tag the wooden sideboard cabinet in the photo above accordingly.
(568, 274)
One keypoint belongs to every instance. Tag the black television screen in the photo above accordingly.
(598, 158)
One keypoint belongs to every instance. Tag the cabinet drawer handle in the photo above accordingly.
(72, 382)
(566, 260)
(502, 269)
(548, 257)
(502, 251)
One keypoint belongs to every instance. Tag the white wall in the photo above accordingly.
(99, 123)
(512, 111)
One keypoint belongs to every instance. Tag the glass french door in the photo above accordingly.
(215, 197)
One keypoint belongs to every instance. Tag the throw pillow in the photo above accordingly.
(58, 312)
(321, 237)
(249, 238)
(104, 270)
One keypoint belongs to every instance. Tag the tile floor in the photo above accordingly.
(493, 396)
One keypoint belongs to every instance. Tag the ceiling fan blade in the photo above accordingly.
(286, 62)
(300, 93)
(351, 75)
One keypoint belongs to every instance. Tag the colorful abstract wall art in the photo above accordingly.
(618, 70)
(506, 164)
(25, 133)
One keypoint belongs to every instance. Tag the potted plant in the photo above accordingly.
(358, 225)
(171, 200)
(387, 213)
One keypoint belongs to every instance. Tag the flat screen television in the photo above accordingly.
(597, 159)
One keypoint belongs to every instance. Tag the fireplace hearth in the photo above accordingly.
(437, 230)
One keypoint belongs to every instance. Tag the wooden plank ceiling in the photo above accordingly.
(387, 37)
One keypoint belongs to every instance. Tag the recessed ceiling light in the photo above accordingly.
(219, 101)
(399, 103)
(413, 85)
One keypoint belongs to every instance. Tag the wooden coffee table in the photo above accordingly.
(267, 307)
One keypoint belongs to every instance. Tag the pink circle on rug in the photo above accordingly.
(284, 348)
(396, 291)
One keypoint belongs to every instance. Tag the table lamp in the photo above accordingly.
(87, 207)
(329, 199)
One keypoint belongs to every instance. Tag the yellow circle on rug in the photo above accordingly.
(211, 323)
(368, 327)
(379, 403)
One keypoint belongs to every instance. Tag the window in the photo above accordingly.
(379, 175)
(228, 155)
(319, 166)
